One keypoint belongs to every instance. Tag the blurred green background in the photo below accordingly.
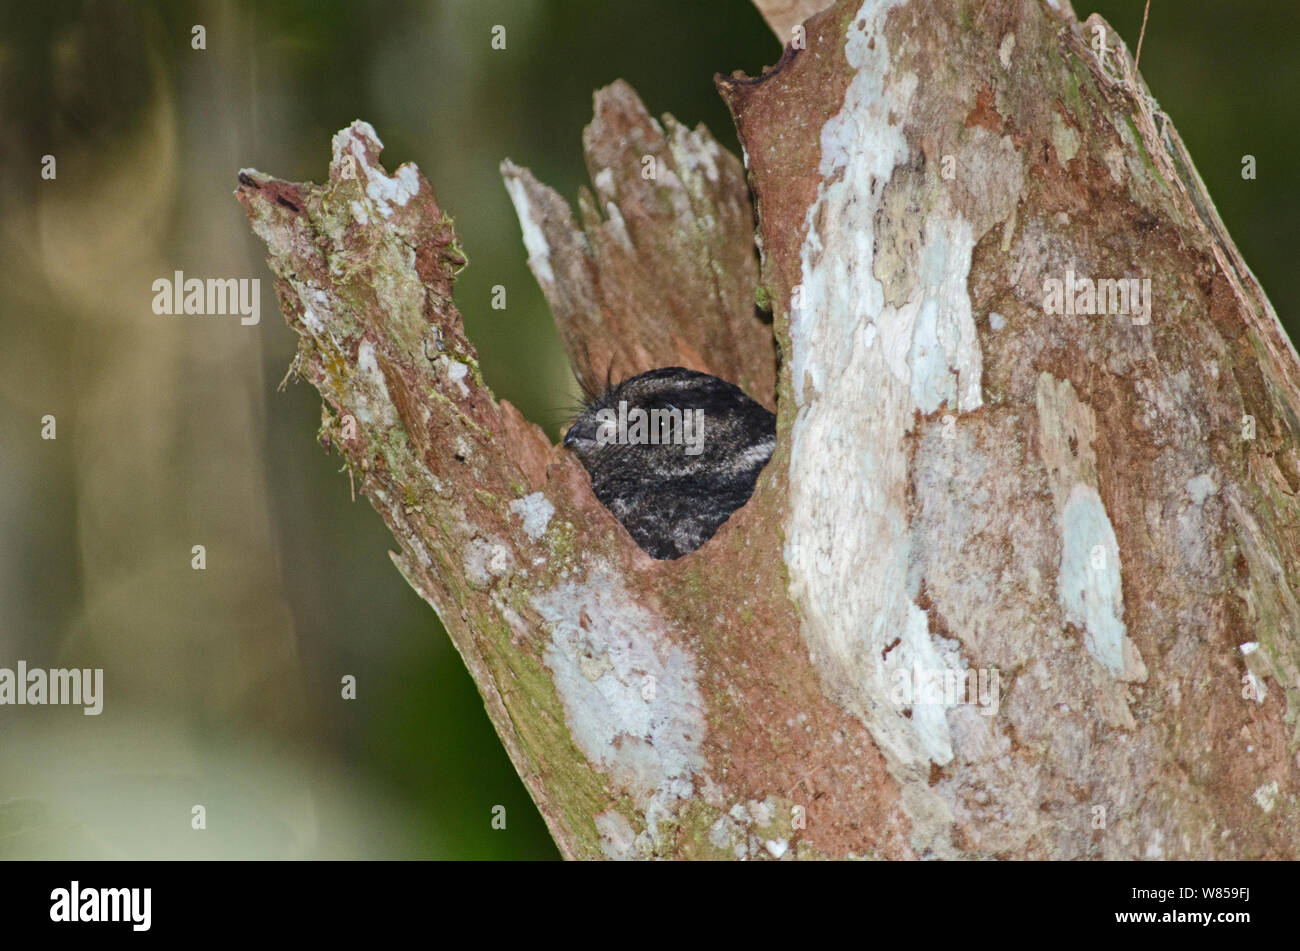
(222, 685)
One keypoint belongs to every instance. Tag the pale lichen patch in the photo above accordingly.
(604, 182)
(1090, 584)
(617, 837)
(456, 373)
(484, 560)
(375, 406)
(1201, 487)
(353, 151)
(1266, 796)
(539, 251)
(1005, 49)
(1064, 139)
(629, 693)
(536, 511)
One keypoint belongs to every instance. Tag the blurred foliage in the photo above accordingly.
(223, 685)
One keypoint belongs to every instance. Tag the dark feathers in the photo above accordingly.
(672, 453)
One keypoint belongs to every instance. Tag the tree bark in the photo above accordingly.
(1094, 516)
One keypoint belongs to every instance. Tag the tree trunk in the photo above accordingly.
(1018, 580)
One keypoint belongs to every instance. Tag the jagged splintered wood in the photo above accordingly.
(1099, 513)
(663, 270)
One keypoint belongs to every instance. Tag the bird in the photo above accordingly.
(671, 453)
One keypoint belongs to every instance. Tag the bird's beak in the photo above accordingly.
(570, 438)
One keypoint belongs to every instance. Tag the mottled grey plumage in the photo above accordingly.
(671, 501)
